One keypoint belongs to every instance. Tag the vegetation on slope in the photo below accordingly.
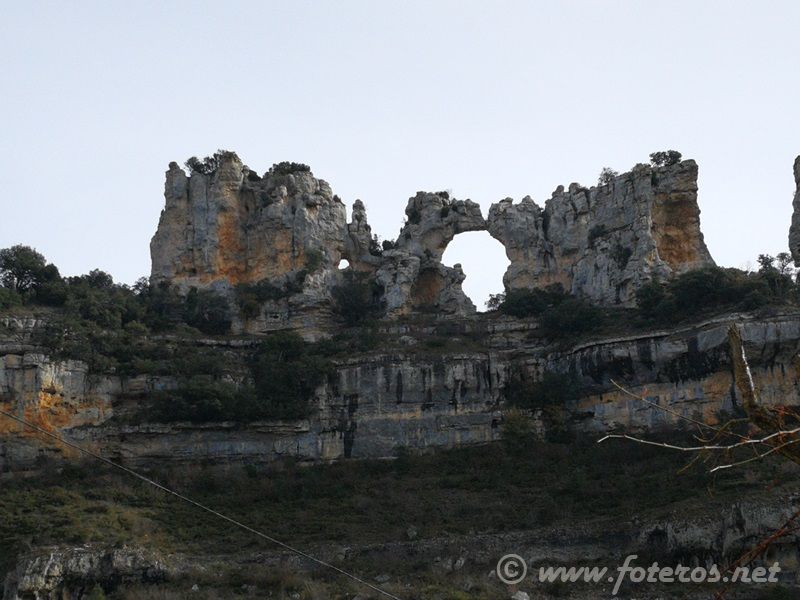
(689, 296)
(520, 484)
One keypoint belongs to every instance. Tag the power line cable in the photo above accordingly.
(198, 504)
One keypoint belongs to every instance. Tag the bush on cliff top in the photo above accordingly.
(528, 303)
(666, 158)
(717, 288)
(607, 175)
(209, 164)
(287, 168)
(560, 314)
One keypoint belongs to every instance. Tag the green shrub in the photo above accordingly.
(713, 289)
(199, 399)
(517, 433)
(607, 175)
(495, 301)
(251, 296)
(528, 303)
(163, 305)
(357, 299)
(573, 316)
(207, 311)
(554, 389)
(9, 298)
(209, 164)
(287, 168)
(286, 372)
(23, 269)
(97, 593)
(550, 396)
(375, 247)
(561, 315)
(666, 158)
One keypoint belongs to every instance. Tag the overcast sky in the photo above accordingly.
(383, 98)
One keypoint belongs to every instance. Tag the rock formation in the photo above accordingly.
(794, 230)
(604, 242)
(412, 275)
(230, 226)
(223, 226)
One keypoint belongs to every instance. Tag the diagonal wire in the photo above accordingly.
(198, 504)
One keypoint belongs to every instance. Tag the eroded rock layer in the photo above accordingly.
(405, 395)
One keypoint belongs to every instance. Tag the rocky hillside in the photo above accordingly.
(251, 349)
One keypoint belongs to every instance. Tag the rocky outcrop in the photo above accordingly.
(794, 230)
(66, 573)
(228, 226)
(412, 274)
(223, 225)
(433, 220)
(604, 242)
(231, 226)
(360, 245)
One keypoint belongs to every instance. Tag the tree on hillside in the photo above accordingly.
(22, 268)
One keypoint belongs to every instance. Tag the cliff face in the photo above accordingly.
(412, 274)
(405, 396)
(605, 242)
(226, 226)
(794, 230)
(233, 227)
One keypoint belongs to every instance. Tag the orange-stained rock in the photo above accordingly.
(606, 241)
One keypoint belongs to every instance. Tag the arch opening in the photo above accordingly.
(483, 260)
(343, 264)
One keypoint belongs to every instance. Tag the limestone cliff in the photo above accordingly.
(224, 225)
(604, 242)
(412, 274)
(404, 395)
(794, 230)
(229, 226)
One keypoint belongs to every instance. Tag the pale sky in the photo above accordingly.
(384, 98)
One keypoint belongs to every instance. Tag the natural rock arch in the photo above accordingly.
(483, 260)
